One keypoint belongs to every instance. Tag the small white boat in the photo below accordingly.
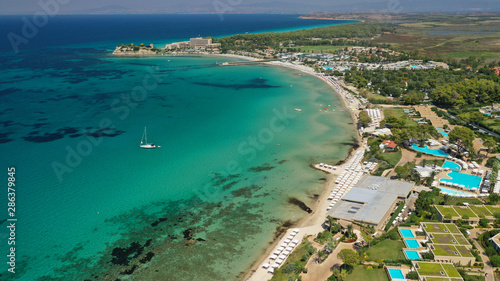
(144, 141)
(298, 109)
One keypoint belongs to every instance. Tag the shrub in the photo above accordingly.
(290, 268)
(427, 255)
(393, 234)
(412, 275)
(490, 251)
(495, 260)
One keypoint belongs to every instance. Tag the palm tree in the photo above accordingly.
(331, 222)
(446, 197)
(349, 230)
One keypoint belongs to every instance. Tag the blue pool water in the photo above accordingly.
(451, 165)
(406, 233)
(417, 119)
(439, 130)
(412, 255)
(427, 150)
(395, 273)
(412, 243)
(453, 192)
(446, 136)
(328, 67)
(470, 181)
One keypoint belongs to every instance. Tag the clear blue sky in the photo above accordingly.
(246, 6)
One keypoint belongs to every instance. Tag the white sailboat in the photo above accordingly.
(144, 141)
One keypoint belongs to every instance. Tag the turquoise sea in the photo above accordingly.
(92, 205)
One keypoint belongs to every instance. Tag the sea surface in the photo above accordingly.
(92, 205)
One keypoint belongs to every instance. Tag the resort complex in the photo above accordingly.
(416, 200)
(332, 146)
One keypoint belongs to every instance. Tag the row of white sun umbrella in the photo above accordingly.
(343, 188)
(326, 166)
(447, 183)
(280, 254)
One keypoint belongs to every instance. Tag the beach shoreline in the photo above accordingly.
(310, 224)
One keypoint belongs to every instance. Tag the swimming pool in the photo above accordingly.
(445, 136)
(406, 233)
(469, 181)
(395, 273)
(453, 192)
(328, 67)
(412, 255)
(439, 130)
(435, 152)
(412, 243)
(451, 165)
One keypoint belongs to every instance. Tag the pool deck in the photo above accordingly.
(444, 176)
(430, 151)
(404, 269)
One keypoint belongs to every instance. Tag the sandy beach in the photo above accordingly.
(310, 224)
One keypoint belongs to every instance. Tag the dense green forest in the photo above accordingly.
(448, 88)
(475, 91)
(338, 35)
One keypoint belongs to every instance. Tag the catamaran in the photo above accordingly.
(144, 141)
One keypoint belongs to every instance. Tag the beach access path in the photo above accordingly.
(321, 271)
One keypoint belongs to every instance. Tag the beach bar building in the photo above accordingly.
(371, 201)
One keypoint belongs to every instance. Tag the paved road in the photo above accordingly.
(479, 128)
(488, 268)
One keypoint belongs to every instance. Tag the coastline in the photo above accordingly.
(323, 18)
(310, 224)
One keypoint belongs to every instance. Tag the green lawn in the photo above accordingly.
(480, 210)
(435, 227)
(361, 273)
(461, 239)
(399, 112)
(444, 238)
(453, 228)
(465, 211)
(436, 279)
(450, 270)
(387, 250)
(444, 250)
(391, 157)
(493, 209)
(447, 211)
(464, 251)
(456, 200)
(429, 269)
(379, 97)
(394, 111)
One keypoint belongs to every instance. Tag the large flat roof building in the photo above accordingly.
(371, 201)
